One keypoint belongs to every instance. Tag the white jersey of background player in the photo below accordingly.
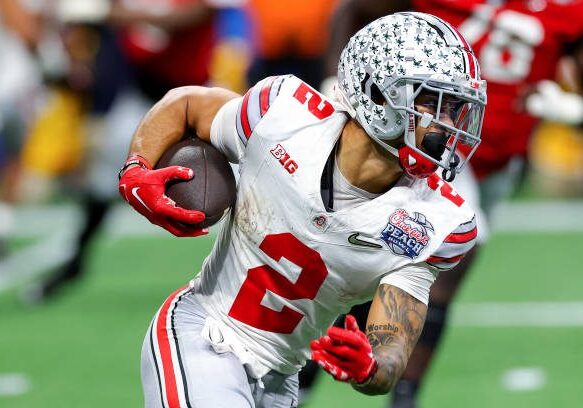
(303, 244)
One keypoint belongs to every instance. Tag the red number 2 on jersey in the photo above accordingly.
(247, 307)
(319, 107)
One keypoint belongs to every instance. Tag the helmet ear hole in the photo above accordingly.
(368, 87)
(376, 95)
(363, 83)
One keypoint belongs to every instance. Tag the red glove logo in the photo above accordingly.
(345, 353)
(144, 189)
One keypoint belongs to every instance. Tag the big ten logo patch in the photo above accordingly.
(284, 158)
(407, 235)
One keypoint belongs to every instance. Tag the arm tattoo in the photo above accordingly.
(393, 338)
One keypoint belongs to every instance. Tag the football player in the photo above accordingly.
(518, 44)
(338, 202)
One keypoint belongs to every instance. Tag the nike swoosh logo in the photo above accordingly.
(353, 239)
(135, 194)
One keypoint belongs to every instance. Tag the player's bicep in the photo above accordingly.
(393, 327)
(202, 105)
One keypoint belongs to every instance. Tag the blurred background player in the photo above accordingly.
(20, 83)
(519, 45)
(132, 53)
(556, 149)
(289, 37)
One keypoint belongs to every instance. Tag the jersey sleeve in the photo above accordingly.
(454, 246)
(223, 133)
(255, 105)
(414, 279)
(235, 121)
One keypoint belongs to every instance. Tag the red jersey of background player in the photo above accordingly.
(179, 58)
(518, 43)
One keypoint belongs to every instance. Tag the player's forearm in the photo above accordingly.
(391, 360)
(21, 21)
(394, 324)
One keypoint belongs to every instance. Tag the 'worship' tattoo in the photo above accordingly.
(393, 338)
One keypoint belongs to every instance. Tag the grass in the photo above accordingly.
(83, 350)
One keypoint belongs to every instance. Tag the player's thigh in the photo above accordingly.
(278, 391)
(179, 365)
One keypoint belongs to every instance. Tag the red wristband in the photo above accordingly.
(134, 159)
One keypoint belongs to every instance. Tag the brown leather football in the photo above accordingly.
(212, 190)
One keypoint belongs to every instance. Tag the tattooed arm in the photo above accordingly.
(394, 324)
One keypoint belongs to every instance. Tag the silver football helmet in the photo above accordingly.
(389, 63)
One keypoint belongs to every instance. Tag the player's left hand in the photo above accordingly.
(345, 353)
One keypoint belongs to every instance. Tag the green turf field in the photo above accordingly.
(83, 350)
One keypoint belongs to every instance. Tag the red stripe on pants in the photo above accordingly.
(166, 352)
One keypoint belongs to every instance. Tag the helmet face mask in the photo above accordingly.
(393, 61)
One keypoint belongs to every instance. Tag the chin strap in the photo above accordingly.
(411, 161)
(449, 174)
(414, 163)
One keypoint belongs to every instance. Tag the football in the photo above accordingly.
(212, 190)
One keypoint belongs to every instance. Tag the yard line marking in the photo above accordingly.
(36, 259)
(521, 379)
(13, 384)
(517, 314)
(539, 216)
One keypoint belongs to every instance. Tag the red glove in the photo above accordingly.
(145, 189)
(345, 353)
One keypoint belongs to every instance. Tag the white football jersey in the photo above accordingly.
(283, 268)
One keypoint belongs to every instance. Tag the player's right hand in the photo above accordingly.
(145, 190)
(346, 353)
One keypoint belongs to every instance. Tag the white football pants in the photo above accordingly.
(180, 368)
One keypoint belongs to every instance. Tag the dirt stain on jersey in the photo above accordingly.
(253, 217)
